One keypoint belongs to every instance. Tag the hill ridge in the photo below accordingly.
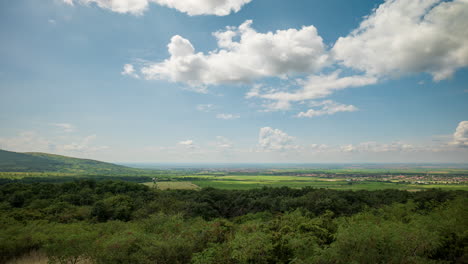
(11, 161)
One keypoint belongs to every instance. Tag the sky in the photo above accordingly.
(236, 81)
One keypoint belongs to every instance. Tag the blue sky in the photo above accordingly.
(280, 81)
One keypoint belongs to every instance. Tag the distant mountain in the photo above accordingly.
(43, 162)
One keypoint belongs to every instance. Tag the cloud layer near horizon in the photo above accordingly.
(270, 141)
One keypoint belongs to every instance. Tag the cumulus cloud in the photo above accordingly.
(227, 116)
(129, 70)
(460, 137)
(65, 127)
(316, 86)
(403, 37)
(190, 7)
(271, 139)
(255, 55)
(327, 107)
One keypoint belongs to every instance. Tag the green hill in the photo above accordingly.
(43, 162)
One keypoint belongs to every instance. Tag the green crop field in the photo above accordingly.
(259, 181)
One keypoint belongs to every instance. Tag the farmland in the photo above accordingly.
(342, 182)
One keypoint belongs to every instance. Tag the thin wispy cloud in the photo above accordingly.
(205, 107)
(129, 70)
(227, 116)
(65, 127)
(327, 107)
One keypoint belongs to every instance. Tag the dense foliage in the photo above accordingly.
(121, 222)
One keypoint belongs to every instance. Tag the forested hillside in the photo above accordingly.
(43, 162)
(119, 222)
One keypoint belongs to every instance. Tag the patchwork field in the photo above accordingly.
(259, 181)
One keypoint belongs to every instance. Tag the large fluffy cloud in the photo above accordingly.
(404, 37)
(460, 137)
(255, 55)
(190, 7)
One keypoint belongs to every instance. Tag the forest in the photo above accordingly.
(88, 221)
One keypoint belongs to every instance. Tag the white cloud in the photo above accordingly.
(52, 21)
(189, 144)
(205, 7)
(348, 148)
(190, 7)
(460, 137)
(374, 147)
(403, 37)
(27, 141)
(319, 147)
(227, 116)
(327, 107)
(84, 145)
(129, 70)
(270, 139)
(65, 127)
(205, 107)
(136, 7)
(316, 86)
(255, 55)
(30, 141)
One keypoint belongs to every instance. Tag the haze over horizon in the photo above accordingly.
(239, 81)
